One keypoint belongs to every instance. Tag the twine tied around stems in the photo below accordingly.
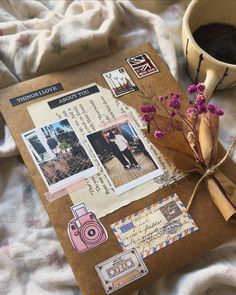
(210, 171)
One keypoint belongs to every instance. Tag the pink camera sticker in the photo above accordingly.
(85, 230)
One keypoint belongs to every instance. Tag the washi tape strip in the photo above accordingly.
(70, 187)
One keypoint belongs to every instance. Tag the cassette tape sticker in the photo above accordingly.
(121, 270)
(85, 230)
(119, 82)
(142, 65)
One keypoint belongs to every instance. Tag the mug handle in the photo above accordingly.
(210, 82)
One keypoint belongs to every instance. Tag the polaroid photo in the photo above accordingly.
(59, 154)
(142, 65)
(120, 82)
(126, 160)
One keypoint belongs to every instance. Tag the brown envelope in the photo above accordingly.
(213, 230)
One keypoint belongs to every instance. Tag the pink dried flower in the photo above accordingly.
(201, 87)
(200, 99)
(147, 118)
(191, 113)
(211, 107)
(202, 108)
(151, 108)
(158, 134)
(219, 112)
(175, 103)
(177, 95)
(144, 108)
(192, 89)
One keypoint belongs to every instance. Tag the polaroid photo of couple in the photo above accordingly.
(125, 158)
(59, 154)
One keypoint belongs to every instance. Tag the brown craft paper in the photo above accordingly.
(213, 230)
(175, 148)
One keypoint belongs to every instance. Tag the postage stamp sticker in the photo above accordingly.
(155, 226)
(119, 82)
(142, 65)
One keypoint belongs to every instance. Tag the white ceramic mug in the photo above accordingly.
(201, 66)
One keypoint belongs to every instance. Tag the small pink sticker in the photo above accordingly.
(85, 230)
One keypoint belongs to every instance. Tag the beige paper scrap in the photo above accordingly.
(87, 115)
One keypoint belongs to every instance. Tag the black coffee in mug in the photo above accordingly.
(218, 40)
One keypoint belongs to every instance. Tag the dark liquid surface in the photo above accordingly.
(218, 40)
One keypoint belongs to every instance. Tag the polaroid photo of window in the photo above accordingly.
(59, 154)
(125, 158)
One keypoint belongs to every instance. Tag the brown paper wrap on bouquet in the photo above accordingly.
(177, 150)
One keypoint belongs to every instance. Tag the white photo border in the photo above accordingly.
(140, 180)
(64, 182)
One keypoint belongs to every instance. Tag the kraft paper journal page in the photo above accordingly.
(92, 113)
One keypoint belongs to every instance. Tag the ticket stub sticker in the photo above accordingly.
(142, 65)
(121, 270)
(119, 82)
(155, 226)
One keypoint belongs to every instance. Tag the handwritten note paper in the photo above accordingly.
(91, 113)
(155, 226)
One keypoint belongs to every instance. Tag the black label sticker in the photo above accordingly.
(36, 94)
(72, 97)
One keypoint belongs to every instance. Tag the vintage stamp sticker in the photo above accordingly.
(119, 82)
(142, 65)
(155, 226)
(85, 230)
(121, 270)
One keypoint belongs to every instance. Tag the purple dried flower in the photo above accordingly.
(202, 109)
(192, 89)
(175, 104)
(192, 113)
(158, 134)
(151, 108)
(219, 112)
(147, 118)
(201, 87)
(177, 95)
(211, 107)
(144, 108)
(200, 100)
(161, 98)
(173, 114)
